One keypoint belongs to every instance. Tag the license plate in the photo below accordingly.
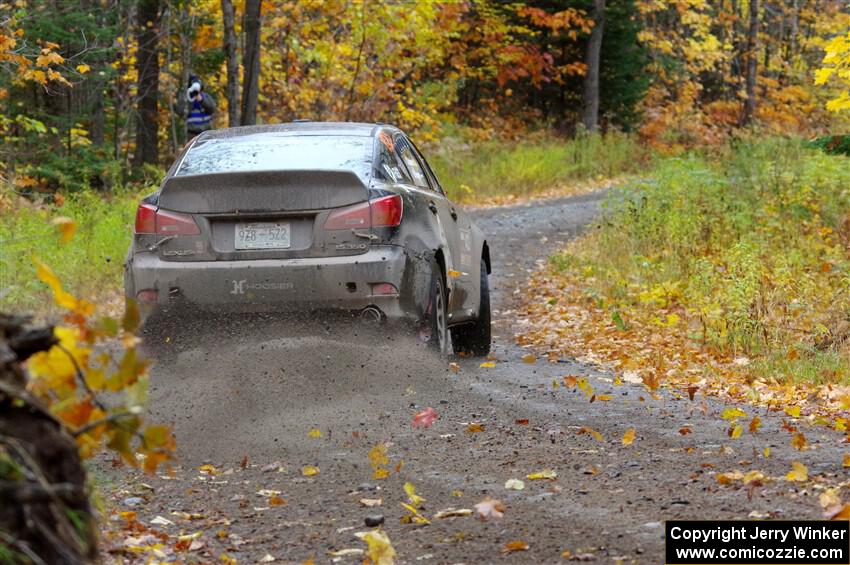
(262, 235)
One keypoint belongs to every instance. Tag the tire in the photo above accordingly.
(436, 316)
(474, 338)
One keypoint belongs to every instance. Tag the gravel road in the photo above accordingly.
(249, 388)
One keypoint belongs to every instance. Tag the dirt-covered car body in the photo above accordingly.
(306, 216)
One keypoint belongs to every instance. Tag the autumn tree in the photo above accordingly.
(251, 26)
(590, 92)
(228, 17)
(147, 67)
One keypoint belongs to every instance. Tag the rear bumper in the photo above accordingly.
(328, 283)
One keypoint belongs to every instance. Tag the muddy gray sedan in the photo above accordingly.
(313, 217)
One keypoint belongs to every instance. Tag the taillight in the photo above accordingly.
(146, 219)
(171, 223)
(149, 220)
(353, 217)
(386, 211)
(379, 213)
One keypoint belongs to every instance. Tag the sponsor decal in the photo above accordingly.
(244, 285)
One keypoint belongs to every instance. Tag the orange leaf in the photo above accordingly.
(629, 436)
(516, 545)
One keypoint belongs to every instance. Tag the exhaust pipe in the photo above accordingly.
(371, 315)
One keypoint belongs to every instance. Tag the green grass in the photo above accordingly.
(473, 172)
(750, 245)
(90, 266)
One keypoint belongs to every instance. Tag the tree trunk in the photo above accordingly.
(590, 98)
(752, 64)
(228, 17)
(147, 66)
(251, 62)
(45, 515)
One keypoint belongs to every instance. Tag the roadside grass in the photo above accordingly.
(90, 265)
(475, 172)
(733, 266)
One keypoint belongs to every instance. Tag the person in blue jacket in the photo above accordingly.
(201, 107)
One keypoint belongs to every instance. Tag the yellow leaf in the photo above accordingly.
(730, 477)
(753, 476)
(309, 471)
(414, 499)
(315, 433)
(380, 550)
(544, 474)
(66, 228)
(208, 469)
(798, 472)
(793, 411)
(733, 413)
(475, 428)
(603, 397)
(737, 430)
(766, 452)
(516, 545)
(629, 436)
(380, 474)
(846, 463)
(487, 365)
(83, 68)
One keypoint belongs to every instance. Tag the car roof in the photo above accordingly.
(358, 129)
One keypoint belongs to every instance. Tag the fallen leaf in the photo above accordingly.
(346, 552)
(379, 550)
(846, 463)
(276, 501)
(516, 545)
(371, 502)
(570, 381)
(755, 424)
(766, 452)
(244, 463)
(208, 470)
(309, 470)
(315, 433)
(454, 367)
(736, 431)
(798, 472)
(829, 498)
(514, 484)
(733, 413)
(798, 441)
(490, 508)
(415, 499)
(425, 418)
(753, 477)
(487, 365)
(629, 436)
(453, 513)
(684, 431)
(160, 521)
(529, 358)
(730, 477)
(793, 411)
(544, 474)
(585, 430)
(603, 397)
(521, 422)
(475, 428)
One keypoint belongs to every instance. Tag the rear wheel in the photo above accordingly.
(474, 338)
(437, 321)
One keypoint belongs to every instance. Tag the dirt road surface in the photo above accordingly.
(236, 389)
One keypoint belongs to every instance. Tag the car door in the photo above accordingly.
(457, 254)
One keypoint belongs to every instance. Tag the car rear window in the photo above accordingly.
(279, 153)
